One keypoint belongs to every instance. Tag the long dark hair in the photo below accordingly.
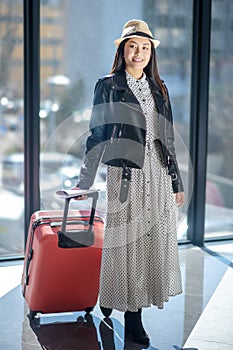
(150, 70)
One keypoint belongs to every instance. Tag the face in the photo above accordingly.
(137, 52)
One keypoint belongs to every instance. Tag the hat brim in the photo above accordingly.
(117, 42)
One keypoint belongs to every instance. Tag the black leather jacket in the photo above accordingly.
(118, 130)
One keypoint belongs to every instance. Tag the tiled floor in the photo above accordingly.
(207, 283)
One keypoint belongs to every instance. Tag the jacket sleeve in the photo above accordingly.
(95, 142)
(173, 168)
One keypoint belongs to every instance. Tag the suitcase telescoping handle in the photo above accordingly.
(89, 194)
(76, 238)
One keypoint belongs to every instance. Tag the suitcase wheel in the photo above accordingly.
(89, 309)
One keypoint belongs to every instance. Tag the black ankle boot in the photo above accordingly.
(134, 327)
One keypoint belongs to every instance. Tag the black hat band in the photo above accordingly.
(138, 34)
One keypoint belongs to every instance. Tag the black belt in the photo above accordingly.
(125, 180)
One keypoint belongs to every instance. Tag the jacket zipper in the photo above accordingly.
(120, 133)
(113, 134)
(167, 157)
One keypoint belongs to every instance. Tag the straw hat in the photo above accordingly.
(138, 29)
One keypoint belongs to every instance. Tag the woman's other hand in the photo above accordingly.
(179, 198)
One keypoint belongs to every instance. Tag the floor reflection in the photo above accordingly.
(65, 336)
(87, 332)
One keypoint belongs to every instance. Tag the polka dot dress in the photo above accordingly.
(140, 264)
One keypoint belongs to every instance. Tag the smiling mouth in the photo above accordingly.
(137, 59)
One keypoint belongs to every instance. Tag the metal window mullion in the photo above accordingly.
(199, 117)
(31, 107)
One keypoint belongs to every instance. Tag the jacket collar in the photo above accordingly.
(120, 83)
(119, 79)
(157, 94)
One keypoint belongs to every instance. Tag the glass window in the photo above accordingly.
(219, 185)
(11, 128)
(82, 52)
(172, 24)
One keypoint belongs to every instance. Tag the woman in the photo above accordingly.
(131, 131)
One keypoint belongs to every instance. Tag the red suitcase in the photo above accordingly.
(62, 260)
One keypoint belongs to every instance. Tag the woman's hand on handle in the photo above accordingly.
(80, 197)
